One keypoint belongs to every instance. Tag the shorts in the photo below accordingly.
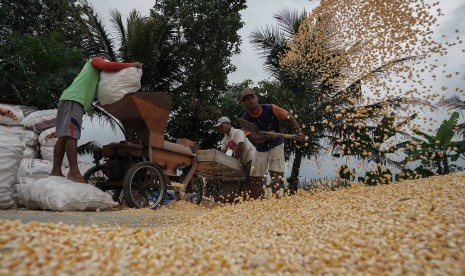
(69, 119)
(272, 160)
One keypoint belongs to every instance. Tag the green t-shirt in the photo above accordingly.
(84, 87)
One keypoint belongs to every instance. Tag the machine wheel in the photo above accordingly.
(194, 191)
(144, 185)
(96, 175)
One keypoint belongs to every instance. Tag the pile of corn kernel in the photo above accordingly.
(414, 227)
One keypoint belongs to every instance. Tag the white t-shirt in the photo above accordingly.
(235, 137)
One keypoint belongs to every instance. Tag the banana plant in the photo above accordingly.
(436, 150)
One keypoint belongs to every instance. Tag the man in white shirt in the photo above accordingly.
(235, 140)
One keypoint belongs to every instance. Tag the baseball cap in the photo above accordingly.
(222, 120)
(246, 91)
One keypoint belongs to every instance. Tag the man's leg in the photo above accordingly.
(257, 171)
(68, 129)
(58, 155)
(276, 182)
(244, 187)
(256, 187)
(71, 153)
(276, 168)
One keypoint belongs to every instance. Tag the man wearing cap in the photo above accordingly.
(235, 140)
(73, 103)
(269, 148)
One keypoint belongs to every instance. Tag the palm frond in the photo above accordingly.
(88, 148)
(117, 21)
(455, 102)
(96, 112)
(265, 40)
(289, 21)
(96, 38)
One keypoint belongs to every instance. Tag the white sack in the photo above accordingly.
(10, 115)
(11, 153)
(48, 138)
(26, 180)
(61, 194)
(7, 200)
(47, 154)
(30, 152)
(36, 168)
(40, 120)
(28, 137)
(114, 85)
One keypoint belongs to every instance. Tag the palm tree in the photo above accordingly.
(95, 36)
(271, 42)
(317, 83)
(150, 40)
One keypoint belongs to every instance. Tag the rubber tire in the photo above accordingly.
(197, 185)
(115, 194)
(128, 186)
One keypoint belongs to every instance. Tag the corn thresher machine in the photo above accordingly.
(141, 169)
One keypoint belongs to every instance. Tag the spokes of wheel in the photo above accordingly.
(95, 175)
(144, 186)
(194, 191)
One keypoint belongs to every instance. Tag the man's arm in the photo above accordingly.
(224, 146)
(108, 66)
(298, 132)
(282, 114)
(240, 149)
(260, 138)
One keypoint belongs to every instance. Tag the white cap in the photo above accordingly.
(222, 120)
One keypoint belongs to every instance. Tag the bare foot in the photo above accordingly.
(78, 179)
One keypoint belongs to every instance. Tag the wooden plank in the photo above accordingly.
(216, 164)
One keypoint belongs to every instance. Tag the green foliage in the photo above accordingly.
(39, 78)
(61, 34)
(370, 143)
(40, 18)
(373, 178)
(204, 36)
(436, 150)
(230, 103)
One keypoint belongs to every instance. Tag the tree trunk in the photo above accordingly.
(438, 163)
(293, 180)
(17, 93)
(445, 164)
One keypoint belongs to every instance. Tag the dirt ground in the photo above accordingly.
(174, 213)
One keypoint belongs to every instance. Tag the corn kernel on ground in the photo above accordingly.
(414, 227)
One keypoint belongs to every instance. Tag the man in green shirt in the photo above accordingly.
(74, 102)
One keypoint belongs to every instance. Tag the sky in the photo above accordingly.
(259, 13)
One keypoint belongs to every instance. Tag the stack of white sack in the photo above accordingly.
(41, 120)
(44, 121)
(11, 118)
(11, 153)
(47, 141)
